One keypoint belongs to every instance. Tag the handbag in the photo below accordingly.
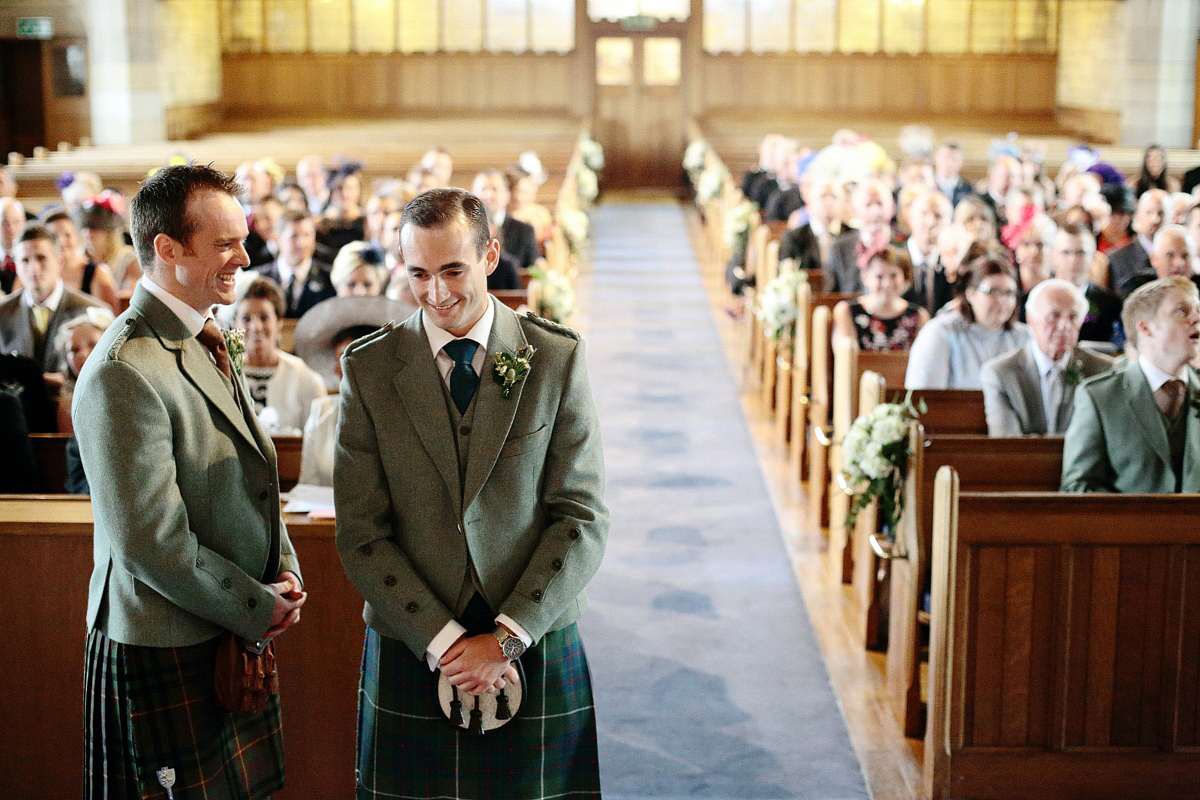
(245, 675)
(483, 713)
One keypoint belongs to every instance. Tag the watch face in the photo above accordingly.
(513, 647)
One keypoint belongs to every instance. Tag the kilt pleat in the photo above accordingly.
(408, 749)
(146, 708)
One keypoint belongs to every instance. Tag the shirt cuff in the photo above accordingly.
(511, 624)
(441, 643)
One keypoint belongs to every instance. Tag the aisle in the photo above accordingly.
(709, 683)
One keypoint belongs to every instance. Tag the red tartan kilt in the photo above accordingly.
(407, 748)
(151, 707)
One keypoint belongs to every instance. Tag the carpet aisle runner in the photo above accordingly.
(709, 682)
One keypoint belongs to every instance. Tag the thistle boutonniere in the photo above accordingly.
(512, 367)
(1073, 374)
(235, 343)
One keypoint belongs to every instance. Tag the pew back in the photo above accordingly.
(1063, 654)
(952, 410)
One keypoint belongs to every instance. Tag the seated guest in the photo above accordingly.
(1031, 389)
(78, 271)
(810, 244)
(305, 281)
(1154, 173)
(950, 350)
(321, 338)
(785, 198)
(343, 220)
(1116, 231)
(977, 217)
(262, 243)
(29, 321)
(1171, 255)
(12, 221)
(1030, 256)
(102, 222)
(1070, 256)
(524, 206)
(292, 197)
(440, 166)
(758, 184)
(928, 215)
(947, 164)
(881, 319)
(358, 270)
(1004, 174)
(873, 207)
(1133, 259)
(379, 205)
(516, 238)
(280, 384)
(313, 180)
(75, 342)
(1136, 429)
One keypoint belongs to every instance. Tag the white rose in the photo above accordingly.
(889, 430)
(876, 466)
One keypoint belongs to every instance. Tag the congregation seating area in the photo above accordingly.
(1030, 643)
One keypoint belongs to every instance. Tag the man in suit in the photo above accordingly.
(1171, 255)
(1128, 262)
(1137, 429)
(947, 164)
(470, 516)
(516, 238)
(1003, 173)
(1031, 389)
(929, 214)
(189, 542)
(1071, 255)
(305, 280)
(873, 208)
(30, 320)
(810, 243)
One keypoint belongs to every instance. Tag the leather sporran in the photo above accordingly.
(245, 675)
(484, 713)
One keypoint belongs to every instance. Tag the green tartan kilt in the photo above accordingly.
(408, 749)
(151, 707)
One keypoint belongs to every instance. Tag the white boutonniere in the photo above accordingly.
(235, 343)
(511, 368)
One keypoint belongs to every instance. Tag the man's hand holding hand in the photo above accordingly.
(289, 597)
(476, 665)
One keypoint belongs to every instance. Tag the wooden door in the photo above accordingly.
(639, 103)
(22, 115)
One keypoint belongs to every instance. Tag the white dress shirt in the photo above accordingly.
(438, 338)
(192, 319)
(1050, 372)
(1157, 377)
(51, 302)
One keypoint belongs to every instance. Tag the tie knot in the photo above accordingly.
(461, 350)
(210, 336)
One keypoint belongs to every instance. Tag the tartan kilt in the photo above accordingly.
(151, 707)
(408, 749)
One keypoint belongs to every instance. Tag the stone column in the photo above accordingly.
(1160, 71)
(128, 92)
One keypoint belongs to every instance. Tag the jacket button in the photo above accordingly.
(227, 584)
(412, 608)
(465, 430)
(389, 581)
(574, 534)
(366, 549)
(251, 603)
(537, 595)
(199, 563)
(557, 564)
(263, 495)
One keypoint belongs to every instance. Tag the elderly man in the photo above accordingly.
(1031, 389)
(1071, 256)
(1132, 260)
(191, 553)
(1171, 255)
(305, 280)
(810, 244)
(873, 208)
(12, 220)
(30, 320)
(1137, 429)
(930, 289)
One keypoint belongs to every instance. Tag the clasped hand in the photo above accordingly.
(289, 597)
(475, 665)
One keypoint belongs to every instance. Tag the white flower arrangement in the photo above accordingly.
(694, 155)
(875, 453)
(587, 184)
(777, 305)
(737, 222)
(708, 185)
(556, 302)
(576, 227)
(592, 153)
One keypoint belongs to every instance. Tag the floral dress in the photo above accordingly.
(877, 333)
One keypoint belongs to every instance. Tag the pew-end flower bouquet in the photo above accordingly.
(777, 306)
(875, 452)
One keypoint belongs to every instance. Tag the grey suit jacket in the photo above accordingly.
(1126, 263)
(16, 325)
(185, 492)
(530, 514)
(841, 271)
(1117, 441)
(1012, 391)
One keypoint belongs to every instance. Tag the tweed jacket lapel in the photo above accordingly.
(419, 386)
(1191, 451)
(194, 362)
(1143, 409)
(494, 413)
(1029, 381)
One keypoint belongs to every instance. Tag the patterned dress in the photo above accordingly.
(878, 333)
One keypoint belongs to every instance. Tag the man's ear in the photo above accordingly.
(492, 255)
(166, 249)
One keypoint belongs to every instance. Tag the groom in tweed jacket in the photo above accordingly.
(470, 516)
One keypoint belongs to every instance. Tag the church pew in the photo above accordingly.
(1020, 464)
(769, 348)
(952, 410)
(45, 563)
(751, 328)
(1063, 651)
(513, 298)
(796, 420)
(821, 403)
(872, 390)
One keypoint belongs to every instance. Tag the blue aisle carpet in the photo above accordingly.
(708, 678)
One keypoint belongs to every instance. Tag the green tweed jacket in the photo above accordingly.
(185, 492)
(1117, 439)
(530, 514)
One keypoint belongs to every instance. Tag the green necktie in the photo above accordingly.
(463, 380)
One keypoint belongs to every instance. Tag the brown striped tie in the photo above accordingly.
(210, 336)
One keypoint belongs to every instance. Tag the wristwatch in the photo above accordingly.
(510, 645)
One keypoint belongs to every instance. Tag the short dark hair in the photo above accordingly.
(896, 258)
(33, 232)
(982, 267)
(352, 332)
(291, 216)
(160, 205)
(437, 208)
(264, 289)
(56, 215)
